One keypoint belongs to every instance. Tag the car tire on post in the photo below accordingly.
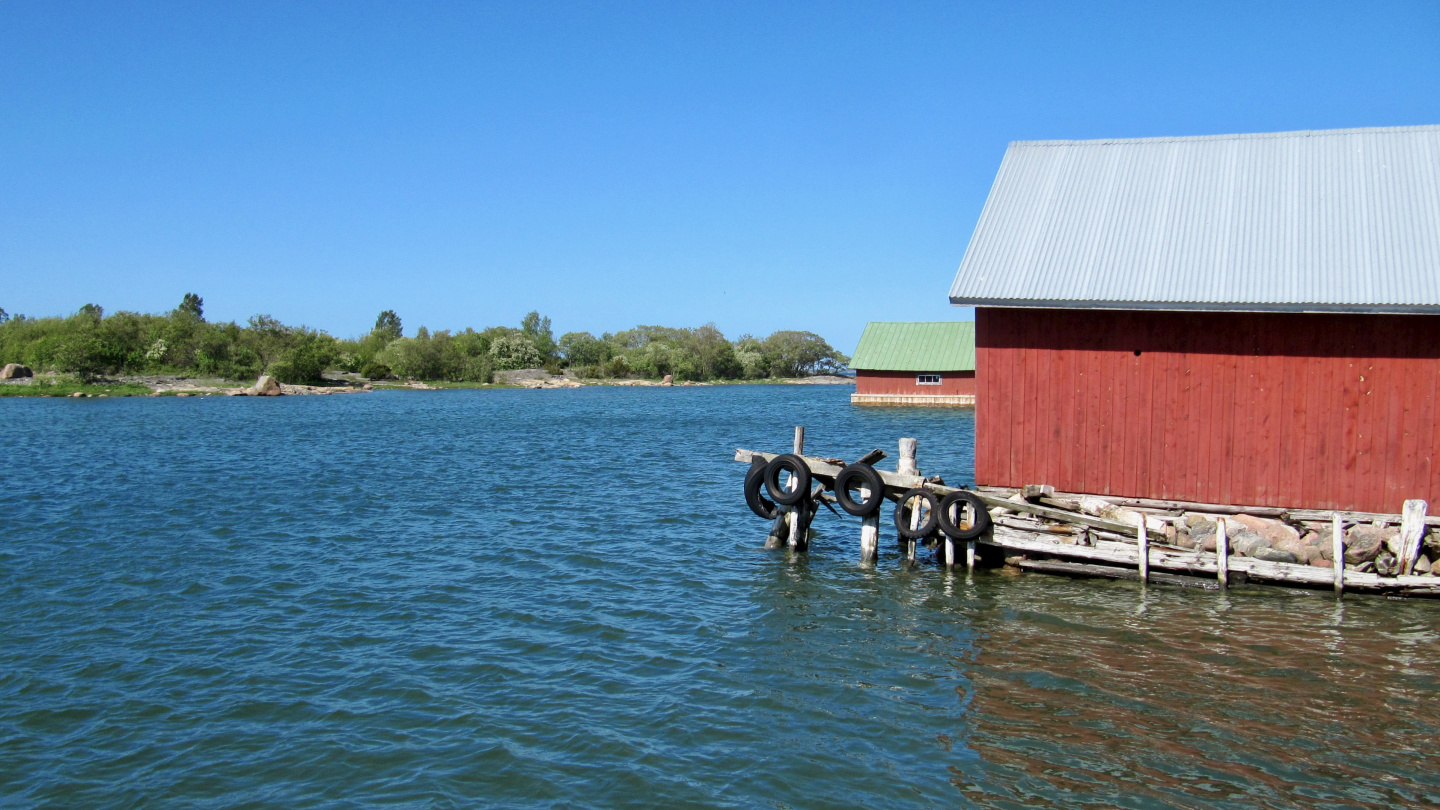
(754, 483)
(799, 471)
(902, 514)
(977, 527)
(859, 475)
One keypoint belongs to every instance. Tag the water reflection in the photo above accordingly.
(1250, 699)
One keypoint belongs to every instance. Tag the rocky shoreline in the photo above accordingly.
(172, 385)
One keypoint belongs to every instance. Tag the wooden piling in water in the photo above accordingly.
(1337, 551)
(1222, 553)
(799, 525)
(907, 466)
(1144, 541)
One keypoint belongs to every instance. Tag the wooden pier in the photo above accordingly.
(1075, 534)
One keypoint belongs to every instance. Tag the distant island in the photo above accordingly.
(91, 348)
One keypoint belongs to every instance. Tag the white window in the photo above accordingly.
(927, 379)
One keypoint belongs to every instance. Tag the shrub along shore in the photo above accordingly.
(94, 350)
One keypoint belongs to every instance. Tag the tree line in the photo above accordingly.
(90, 343)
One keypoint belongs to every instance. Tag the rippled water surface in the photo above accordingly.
(547, 598)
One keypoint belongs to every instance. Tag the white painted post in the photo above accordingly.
(1222, 553)
(797, 517)
(1144, 552)
(1337, 550)
(970, 554)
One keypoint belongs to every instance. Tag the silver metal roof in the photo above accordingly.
(1343, 220)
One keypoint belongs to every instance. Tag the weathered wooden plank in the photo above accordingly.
(1320, 516)
(1412, 529)
(1206, 564)
(1112, 572)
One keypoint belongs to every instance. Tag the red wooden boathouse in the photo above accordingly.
(1244, 319)
(915, 364)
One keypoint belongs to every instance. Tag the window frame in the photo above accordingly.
(928, 379)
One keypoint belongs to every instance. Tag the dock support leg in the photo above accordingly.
(799, 526)
(1337, 551)
(907, 466)
(970, 554)
(1222, 554)
(1144, 553)
(869, 532)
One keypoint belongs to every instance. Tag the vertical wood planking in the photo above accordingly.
(1269, 403)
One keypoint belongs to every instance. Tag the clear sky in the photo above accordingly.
(763, 166)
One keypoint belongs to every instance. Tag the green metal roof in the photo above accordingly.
(933, 346)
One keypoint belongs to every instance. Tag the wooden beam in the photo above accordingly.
(1112, 572)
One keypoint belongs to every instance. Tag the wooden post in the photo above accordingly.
(1337, 550)
(1412, 532)
(948, 553)
(780, 529)
(798, 523)
(869, 532)
(1222, 553)
(906, 466)
(1144, 553)
(970, 554)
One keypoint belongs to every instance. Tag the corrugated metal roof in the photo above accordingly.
(932, 346)
(1326, 220)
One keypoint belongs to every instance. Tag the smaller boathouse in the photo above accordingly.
(915, 364)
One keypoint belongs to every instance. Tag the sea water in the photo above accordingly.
(541, 598)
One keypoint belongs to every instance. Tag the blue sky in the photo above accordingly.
(763, 166)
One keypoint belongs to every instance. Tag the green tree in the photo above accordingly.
(193, 306)
(797, 354)
(388, 324)
(537, 329)
(584, 349)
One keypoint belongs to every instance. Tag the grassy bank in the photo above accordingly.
(64, 387)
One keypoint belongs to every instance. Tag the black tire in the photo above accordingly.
(979, 526)
(754, 481)
(859, 475)
(902, 514)
(798, 470)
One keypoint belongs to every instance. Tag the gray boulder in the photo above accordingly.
(1248, 543)
(1364, 543)
(266, 386)
(1275, 555)
(14, 371)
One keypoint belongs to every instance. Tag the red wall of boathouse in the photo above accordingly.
(952, 383)
(1322, 411)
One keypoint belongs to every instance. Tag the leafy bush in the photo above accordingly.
(514, 351)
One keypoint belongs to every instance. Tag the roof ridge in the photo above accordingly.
(1297, 133)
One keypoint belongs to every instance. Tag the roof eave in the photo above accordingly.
(1199, 306)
